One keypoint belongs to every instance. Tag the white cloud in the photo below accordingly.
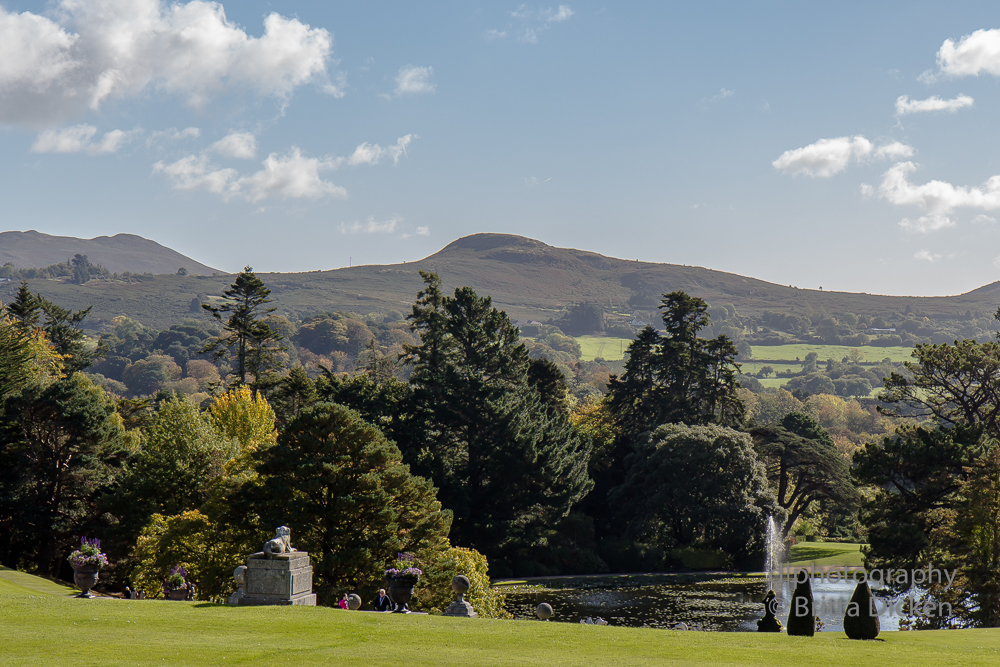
(936, 198)
(983, 219)
(290, 176)
(173, 134)
(493, 33)
(535, 21)
(904, 105)
(236, 144)
(371, 153)
(974, 54)
(371, 226)
(413, 80)
(423, 230)
(996, 262)
(926, 255)
(867, 191)
(562, 14)
(195, 173)
(106, 49)
(78, 138)
(723, 94)
(894, 151)
(824, 158)
(827, 157)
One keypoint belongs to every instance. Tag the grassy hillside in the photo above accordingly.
(118, 253)
(527, 278)
(54, 630)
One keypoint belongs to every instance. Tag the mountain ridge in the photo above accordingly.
(118, 253)
(527, 278)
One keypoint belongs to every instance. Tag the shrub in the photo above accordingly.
(800, 615)
(434, 594)
(861, 618)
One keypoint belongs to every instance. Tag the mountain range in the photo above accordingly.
(118, 253)
(527, 278)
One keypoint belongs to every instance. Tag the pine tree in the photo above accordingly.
(506, 461)
(248, 334)
(26, 308)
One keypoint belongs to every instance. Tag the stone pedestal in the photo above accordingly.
(461, 608)
(281, 579)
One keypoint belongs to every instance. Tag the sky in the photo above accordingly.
(850, 146)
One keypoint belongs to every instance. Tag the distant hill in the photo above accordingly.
(527, 278)
(118, 253)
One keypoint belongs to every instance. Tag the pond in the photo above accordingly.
(721, 603)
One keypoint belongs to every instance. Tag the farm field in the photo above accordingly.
(604, 347)
(837, 352)
(44, 627)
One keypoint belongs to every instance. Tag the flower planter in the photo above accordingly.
(401, 592)
(85, 578)
(179, 594)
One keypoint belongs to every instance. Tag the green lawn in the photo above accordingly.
(43, 627)
(826, 553)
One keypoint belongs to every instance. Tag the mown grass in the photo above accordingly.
(826, 553)
(43, 628)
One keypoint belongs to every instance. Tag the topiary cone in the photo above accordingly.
(800, 615)
(861, 618)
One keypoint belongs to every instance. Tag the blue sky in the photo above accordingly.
(841, 145)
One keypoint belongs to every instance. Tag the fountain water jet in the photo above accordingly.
(775, 549)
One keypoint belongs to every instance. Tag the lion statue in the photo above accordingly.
(280, 544)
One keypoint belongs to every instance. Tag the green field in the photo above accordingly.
(46, 628)
(608, 348)
(825, 553)
(836, 352)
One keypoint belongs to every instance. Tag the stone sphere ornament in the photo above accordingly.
(460, 584)
(544, 611)
(354, 602)
(239, 574)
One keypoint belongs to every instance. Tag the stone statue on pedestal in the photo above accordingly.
(278, 575)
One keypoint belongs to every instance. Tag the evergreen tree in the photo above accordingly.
(26, 308)
(248, 335)
(505, 462)
(60, 445)
(677, 377)
(64, 329)
(292, 394)
(348, 497)
(803, 466)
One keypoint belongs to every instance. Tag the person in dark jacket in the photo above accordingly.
(382, 602)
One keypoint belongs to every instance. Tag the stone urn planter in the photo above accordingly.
(85, 578)
(401, 592)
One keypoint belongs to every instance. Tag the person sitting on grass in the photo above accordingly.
(382, 602)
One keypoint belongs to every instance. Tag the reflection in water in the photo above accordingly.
(728, 604)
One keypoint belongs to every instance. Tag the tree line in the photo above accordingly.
(479, 446)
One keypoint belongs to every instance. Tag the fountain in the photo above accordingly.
(775, 550)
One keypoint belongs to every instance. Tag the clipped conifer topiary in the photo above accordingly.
(800, 615)
(861, 618)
